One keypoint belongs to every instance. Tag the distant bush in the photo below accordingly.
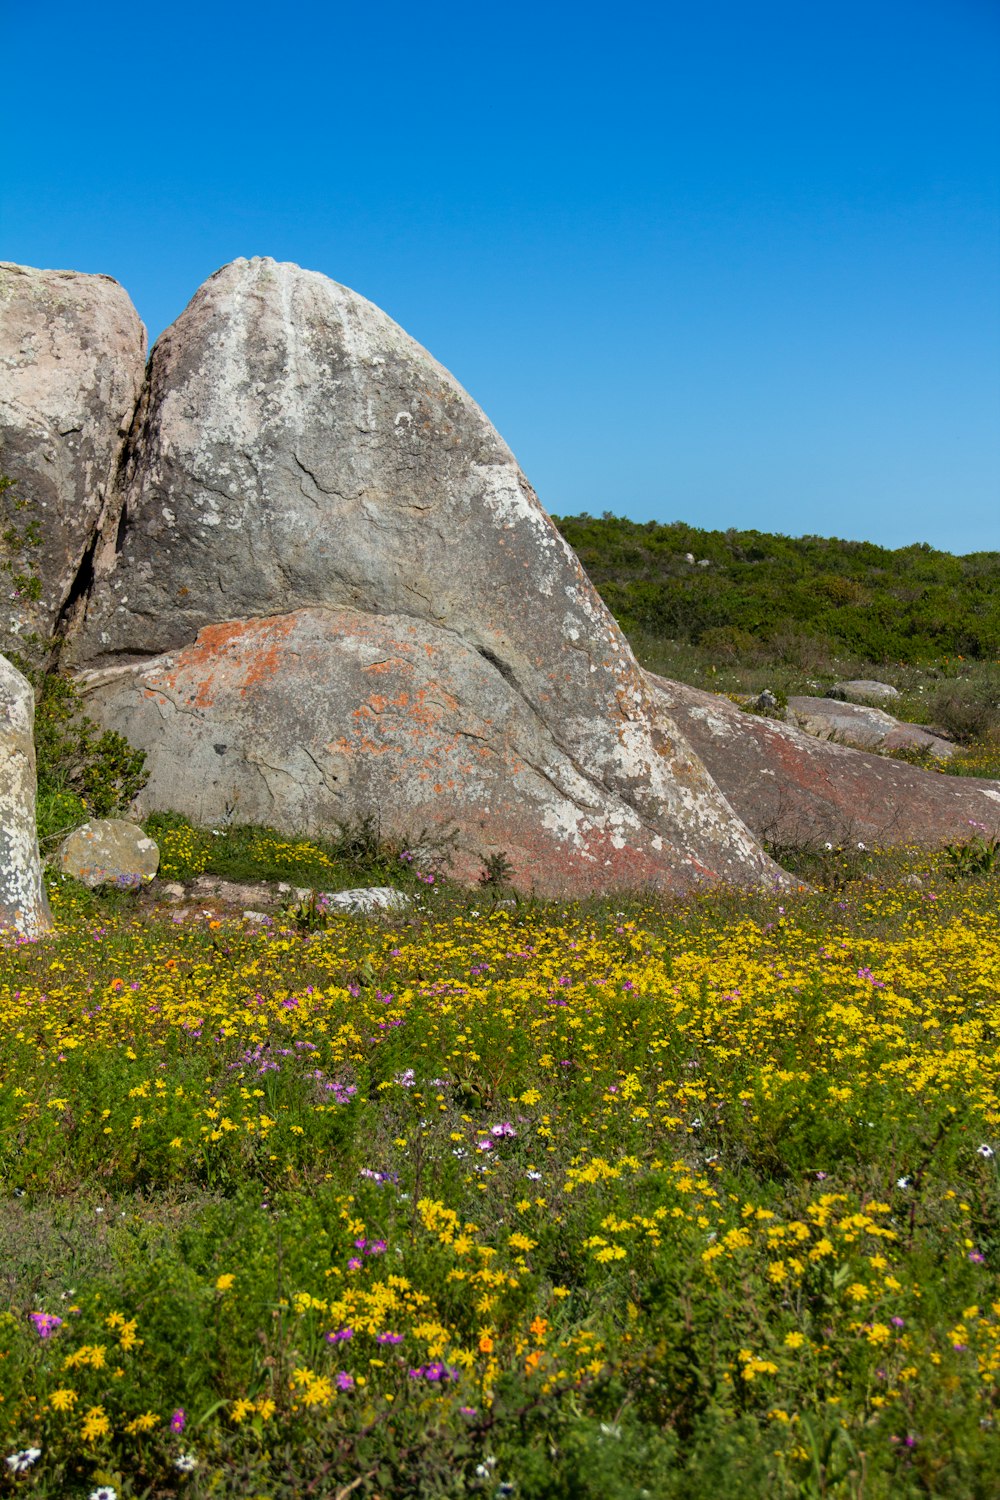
(970, 710)
(812, 598)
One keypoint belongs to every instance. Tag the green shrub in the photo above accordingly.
(969, 708)
(74, 757)
(56, 814)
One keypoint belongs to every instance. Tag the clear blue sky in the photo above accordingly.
(731, 263)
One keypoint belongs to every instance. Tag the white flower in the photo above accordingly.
(104, 1492)
(984, 1151)
(902, 1182)
(483, 1469)
(186, 1463)
(862, 846)
(534, 1176)
(18, 1462)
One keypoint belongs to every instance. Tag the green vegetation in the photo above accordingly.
(797, 614)
(762, 593)
(356, 855)
(652, 1198)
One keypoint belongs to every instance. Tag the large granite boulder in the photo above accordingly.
(789, 786)
(331, 592)
(23, 905)
(72, 353)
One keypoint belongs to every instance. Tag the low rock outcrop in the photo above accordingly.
(863, 727)
(789, 786)
(23, 905)
(72, 355)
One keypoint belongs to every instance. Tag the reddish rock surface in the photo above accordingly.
(315, 718)
(785, 784)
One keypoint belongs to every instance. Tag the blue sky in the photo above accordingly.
(731, 263)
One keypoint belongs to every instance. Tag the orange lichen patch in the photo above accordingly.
(257, 644)
(384, 666)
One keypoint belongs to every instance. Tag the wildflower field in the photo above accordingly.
(664, 1198)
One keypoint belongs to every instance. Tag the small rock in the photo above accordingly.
(862, 690)
(912, 882)
(235, 893)
(689, 558)
(367, 898)
(765, 702)
(172, 891)
(109, 851)
(704, 562)
(256, 916)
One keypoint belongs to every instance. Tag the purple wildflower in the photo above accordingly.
(178, 1420)
(45, 1324)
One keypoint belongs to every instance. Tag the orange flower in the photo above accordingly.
(486, 1344)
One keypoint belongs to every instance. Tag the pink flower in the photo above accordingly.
(178, 1420)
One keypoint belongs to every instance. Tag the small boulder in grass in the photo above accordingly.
(863, 690)
(364, 899)
(109, 851)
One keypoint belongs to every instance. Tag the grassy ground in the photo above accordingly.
(642, 1198)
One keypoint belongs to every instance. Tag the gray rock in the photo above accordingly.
(333, 594)
(72, 354)
(765, 702)
(863, 727)
(23, 905)
(172, 891)
(259, 917)
(109, 851)
(863, 690)
(849, 723)
(233, 892)
(367, 899)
